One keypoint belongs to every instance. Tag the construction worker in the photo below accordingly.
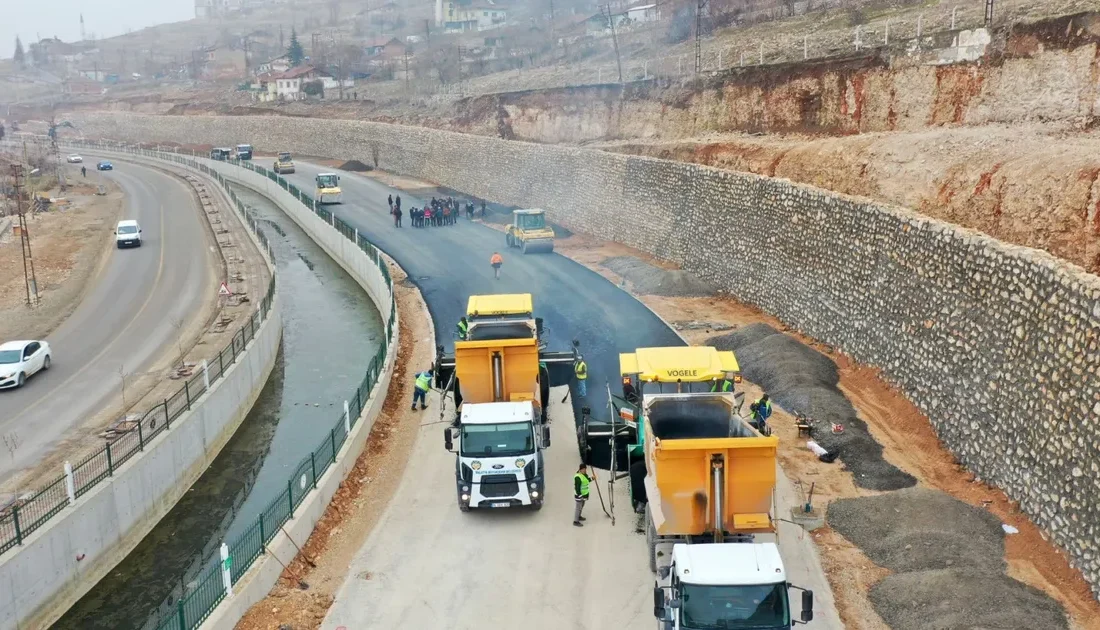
(761, 411)
(544, 388)
(463, 328)
(420, 391)
(580, 494)
(726, 384)
(496, 260)
(580, 368)
(629, 393)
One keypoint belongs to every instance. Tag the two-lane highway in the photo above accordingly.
(126, 321)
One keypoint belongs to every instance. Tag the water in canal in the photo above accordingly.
(330, 332)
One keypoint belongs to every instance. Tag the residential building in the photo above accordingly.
(276, 65)
(643, 13)
(216, 8)
(288, 85)
(385, 47)
(477, 16)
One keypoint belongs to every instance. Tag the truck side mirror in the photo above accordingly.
(807, 606)
(546, 436)
(658, 602)
(448, 441)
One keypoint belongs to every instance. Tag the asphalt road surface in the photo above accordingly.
(428, 565)
(125, 320)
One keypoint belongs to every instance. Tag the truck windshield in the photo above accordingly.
(503, 440)
(127, 229)
(755, 607)
(532, 221)
(326, 181)
(284, 157)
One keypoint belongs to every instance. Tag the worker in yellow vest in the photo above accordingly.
(580, 368)
(423, 384)
(580, 493)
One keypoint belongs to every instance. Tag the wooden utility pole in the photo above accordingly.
(406, 70)
(24, 236)
(614, 41)
(699, 6)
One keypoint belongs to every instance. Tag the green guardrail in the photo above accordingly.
(215, 581)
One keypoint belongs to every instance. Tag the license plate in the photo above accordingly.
(500, 505)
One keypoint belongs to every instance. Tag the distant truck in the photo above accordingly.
(501, 389)
(704, 481)
(221, 154)
(284, 164)
(243, 152)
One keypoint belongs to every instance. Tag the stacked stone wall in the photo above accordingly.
(999, 345)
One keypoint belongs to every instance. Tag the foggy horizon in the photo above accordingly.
(61, 18)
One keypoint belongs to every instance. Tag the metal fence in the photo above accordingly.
(33, 509)
(215, 581)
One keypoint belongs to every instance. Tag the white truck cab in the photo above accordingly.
(726, 585)
(499, 459)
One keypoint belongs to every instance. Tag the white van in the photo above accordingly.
(128, 234)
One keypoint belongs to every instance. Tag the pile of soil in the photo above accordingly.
(804, 381)
(355, 166)
(947, 559)
(646, 279)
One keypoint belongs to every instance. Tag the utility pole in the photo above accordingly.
(24, 236)
(699, 6)
(552, 43)
(614, 42)
(989, 13)
(406, 70)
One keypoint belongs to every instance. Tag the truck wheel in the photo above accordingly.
(651, 540)
(508, 240)
(525, 247)
(463, 507)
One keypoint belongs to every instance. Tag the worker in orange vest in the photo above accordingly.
(496, 261)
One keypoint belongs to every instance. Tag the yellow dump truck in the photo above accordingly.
(704, 482)
(499, 377)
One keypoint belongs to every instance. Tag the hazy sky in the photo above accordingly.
(46, 18)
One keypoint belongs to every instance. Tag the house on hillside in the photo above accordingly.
(384, 47)
(643, 13)
(220, 63)
(276, 65)
(478, 16)
(288, 85)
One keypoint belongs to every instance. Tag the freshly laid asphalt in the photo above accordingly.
(125, 320)
(448, 264)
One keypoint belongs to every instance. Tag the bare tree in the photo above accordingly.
(12, 442)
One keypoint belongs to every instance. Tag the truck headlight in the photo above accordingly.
(465, 498)
(534, 494)
(534, 486)
(465, 488)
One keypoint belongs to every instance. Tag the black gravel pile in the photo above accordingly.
(802, 380)
(646, 279)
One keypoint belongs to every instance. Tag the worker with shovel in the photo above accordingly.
(420, 392)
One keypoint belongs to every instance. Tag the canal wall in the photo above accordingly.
(264, 573)
(998, 345)
(61, 561)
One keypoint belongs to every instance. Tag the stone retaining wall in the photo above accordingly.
(998, 345)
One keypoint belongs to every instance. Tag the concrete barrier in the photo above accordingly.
(258, 581)
(61, 561)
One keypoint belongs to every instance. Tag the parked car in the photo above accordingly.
(104, 166)
(128, 234)
(74, 159)
(19, 360)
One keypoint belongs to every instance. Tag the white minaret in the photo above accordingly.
(439, 12)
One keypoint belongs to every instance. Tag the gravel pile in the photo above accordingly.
(649, 280)
(960, 598)
(920, 529)
(802, 380)
(948, 565)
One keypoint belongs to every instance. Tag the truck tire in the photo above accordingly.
(508, 239)
(651, 540)
(463, 507)
(524, 246)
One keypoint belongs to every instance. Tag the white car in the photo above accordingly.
(19, 360)
(128, 234)
(74, 159)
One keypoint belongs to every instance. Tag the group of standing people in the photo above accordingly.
(438, 212)
(395, 209)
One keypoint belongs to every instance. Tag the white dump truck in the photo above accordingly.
(499, 461)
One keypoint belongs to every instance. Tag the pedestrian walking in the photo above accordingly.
(420, 389)
(83, 171)
(496, 261)
(580, 494)
(580, 368)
